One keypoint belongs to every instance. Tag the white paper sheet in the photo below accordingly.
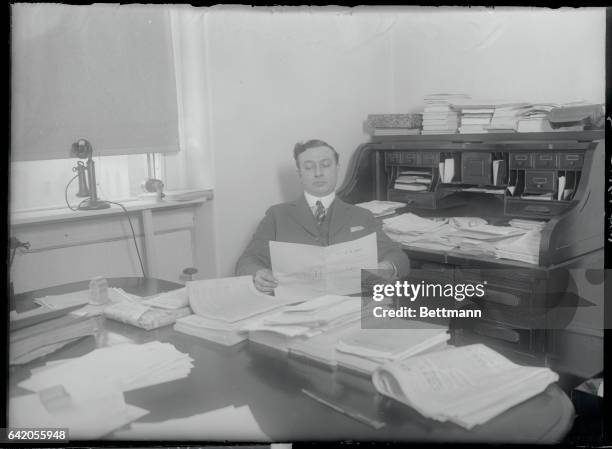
(228, 423)
(309, 271)
(232, 299)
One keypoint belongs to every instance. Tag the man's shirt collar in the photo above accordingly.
(326, 200)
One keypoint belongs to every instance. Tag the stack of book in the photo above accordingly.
(413, 180)
(301, 322)
(364, 350)
(224, 307)
(476, 118)
(467, 385)
(381, 208)
(45, 336)
(393, 124)
(440, 116)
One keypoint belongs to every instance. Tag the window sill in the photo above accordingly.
(27, 217)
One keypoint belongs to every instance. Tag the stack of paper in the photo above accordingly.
(506, 117)
(150, 313)
(535, 118)
(185, 195)
(467, 385)
(29, 343)
(227, 424)
(88, 413)
(440, 116)
(321, 348)
(223, 307)
(366, 349)
(413, 180)
(525, 248)
(476, 119)
(305, 320)
(381, 208)
(529, 225)
(127, 366)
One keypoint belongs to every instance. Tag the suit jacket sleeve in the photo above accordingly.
(257, 254)
(390, 250)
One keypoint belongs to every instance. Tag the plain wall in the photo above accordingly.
(278, 76)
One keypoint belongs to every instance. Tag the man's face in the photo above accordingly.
(318, 170)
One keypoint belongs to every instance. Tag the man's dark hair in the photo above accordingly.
(301, 147)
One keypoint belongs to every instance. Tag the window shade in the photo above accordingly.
(100, 72)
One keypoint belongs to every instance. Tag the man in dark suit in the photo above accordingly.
(316, 218)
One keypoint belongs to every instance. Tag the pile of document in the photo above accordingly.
(152, 312)
(466, 385)
(413, 180)
(381, 208)
(525, 248)
(127, 366)
(476, 118)
(364, 350)
(227, 424)
(185, 195)
(305, 320)
(529, 225)
(321, 348)
(89, 411)
(440, 116)
(506, 117)
(223, 307)
(535, 118)
(42, 338)
(410, 229)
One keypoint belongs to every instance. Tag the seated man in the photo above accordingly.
(316, 218)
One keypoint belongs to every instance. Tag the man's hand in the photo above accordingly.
(265, 281)
(386, 270)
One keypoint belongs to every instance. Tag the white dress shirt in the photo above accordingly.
(326, 200)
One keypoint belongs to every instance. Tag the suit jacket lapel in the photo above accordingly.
(303, 216)
(339, 217)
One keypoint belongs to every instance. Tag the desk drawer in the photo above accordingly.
(540, 181)
(528, 350)
(499, 335)
(545, 160)
(534, 208)
(571, 160)
(424, 200)
(521, 160)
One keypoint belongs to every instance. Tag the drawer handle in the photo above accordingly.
(498, 332)
(540, 181)
(520, 158)
(409, 201)
(539, 209)
(505, 298)
(572, 157)
(546, 158)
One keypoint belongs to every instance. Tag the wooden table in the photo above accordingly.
(271, 384)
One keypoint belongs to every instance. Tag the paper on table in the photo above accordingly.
(309, 271)
(89, 414)
(449, 170)
(232, 299)
(228, 423)
(128, 366)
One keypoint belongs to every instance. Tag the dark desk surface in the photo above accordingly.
(271, 383)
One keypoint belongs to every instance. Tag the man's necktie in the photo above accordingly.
(320, 212)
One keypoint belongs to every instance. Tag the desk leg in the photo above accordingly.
(149, 241)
